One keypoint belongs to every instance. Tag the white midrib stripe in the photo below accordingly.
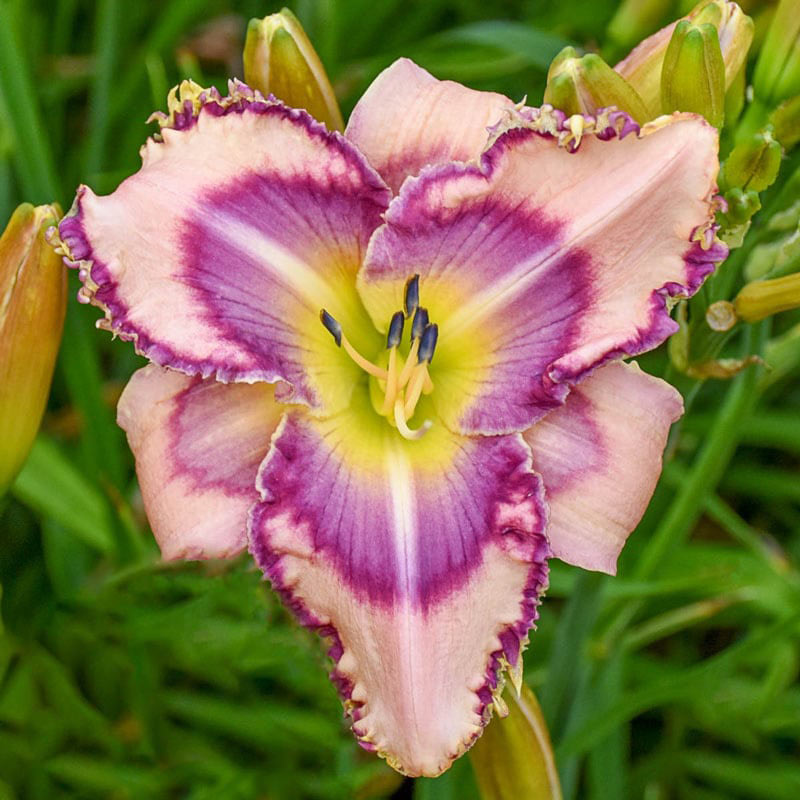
(286, 267)
(525, 272)
(401, 488)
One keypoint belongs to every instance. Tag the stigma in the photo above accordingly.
(405, 378)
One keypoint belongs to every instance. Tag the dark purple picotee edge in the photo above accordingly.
(100, 289)
(704, 250)
(513, 638)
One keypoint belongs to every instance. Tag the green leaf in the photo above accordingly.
(51, 485)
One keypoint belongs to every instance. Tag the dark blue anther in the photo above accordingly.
(412, 295)
(428, 344)
(419, 324)
(332, 326)
(395, 330)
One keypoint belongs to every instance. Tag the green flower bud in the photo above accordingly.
(735, 221)
(785, 120)
(643, 66)
(33, 295)
(693, 75)
(761, 299)
(741, 205)
(514, 759)
(279, 59)
(581, 85)
(777, 74)
(753, 164)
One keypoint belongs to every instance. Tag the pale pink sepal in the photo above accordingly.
(408, 119)
(600, 458)
(197, 445)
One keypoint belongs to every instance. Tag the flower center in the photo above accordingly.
(405, 379)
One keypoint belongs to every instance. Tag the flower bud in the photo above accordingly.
(514, 758)
(643, 66)
(721, 316)
(33, 294)
(741, 205)
(777, 74)
(735, 219)
(279, 59)
(761, 299)
(753, 164)
(581, 85)
(785, 120)
(693, 74)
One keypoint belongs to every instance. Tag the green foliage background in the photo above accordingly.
(121, 677)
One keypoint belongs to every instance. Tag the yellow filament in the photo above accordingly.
(414, 389)
(408, 367)
(403, 383)
(402, 424)
(391, 383)
(362, 362)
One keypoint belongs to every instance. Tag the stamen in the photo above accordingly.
(427, 345)
(332, 326)
(402, 424)
(419, 324)
(362, 362)
(392, 341)
(395, 330)
(391, 383)
(417, 329)
(335, 330)
(411, 302)
(414, 389)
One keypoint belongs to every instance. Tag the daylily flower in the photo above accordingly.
(408, 339)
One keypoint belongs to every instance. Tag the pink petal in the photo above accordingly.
(541, 264)
(197, 445)
(408, 119)
(600, 458)
(216, 257)
(422, 561)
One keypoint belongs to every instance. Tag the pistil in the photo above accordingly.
(401, 421)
